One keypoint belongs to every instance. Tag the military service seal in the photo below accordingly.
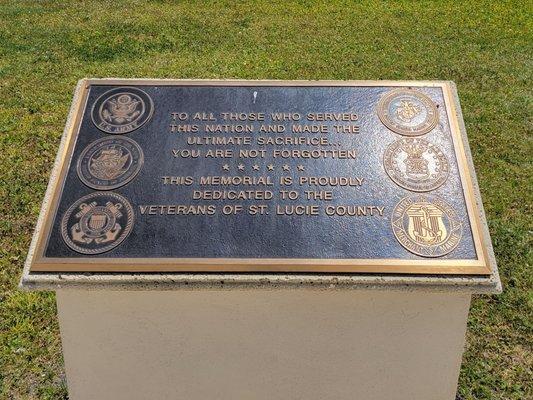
(407, 112)
(122, 110)
(110, 162)
(426, 225)
(97, 223)
(415, 164)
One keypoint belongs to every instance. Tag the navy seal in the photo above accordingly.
(110, 162)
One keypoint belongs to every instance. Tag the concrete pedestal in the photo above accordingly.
(262, 344)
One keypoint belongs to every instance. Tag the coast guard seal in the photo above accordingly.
(426, 225)
(110, 162)
(416, 164)
(97, 223)
(122, 110)
(407, 112)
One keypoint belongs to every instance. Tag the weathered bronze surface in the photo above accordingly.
(263, 176)
(408, 112)
(110, 162)
(96, 223)
(426, 225)
(122, 110)
(415, 164)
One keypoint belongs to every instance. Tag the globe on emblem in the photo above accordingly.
(408, 112)
(122, 110)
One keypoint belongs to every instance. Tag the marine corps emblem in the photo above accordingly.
(110, 162)
(97, 223)
(415, 164)
(426, 225)
(407, 112)
(122, 110)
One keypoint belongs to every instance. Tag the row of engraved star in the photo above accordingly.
(269, 167)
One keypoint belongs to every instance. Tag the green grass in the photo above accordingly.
(486, 48)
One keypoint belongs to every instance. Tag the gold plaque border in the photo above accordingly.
(479, 266)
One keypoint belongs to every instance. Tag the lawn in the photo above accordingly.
(486, 48)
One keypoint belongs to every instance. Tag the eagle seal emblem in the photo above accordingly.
(416, 164)
(426, 225)
(122, 110)
(97, 223)
(110, 162)
(408, 112)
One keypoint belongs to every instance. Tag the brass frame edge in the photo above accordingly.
(37, 263)
(259, 82)
(477, 203)
(80, 94)
(466, 181)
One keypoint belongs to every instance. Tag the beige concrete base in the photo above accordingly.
(257, 344)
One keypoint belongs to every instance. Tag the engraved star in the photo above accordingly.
(225, 167)
(255, 167)
(286, 167)
(301, 168)
(270, 167)
(241, 167)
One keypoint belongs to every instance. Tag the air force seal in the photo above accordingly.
(408, 112)
(110, 162)
(426, 225)
(122, 110)
(415, 164)
(97, 223)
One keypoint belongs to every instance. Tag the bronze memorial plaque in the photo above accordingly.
(262, 176)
